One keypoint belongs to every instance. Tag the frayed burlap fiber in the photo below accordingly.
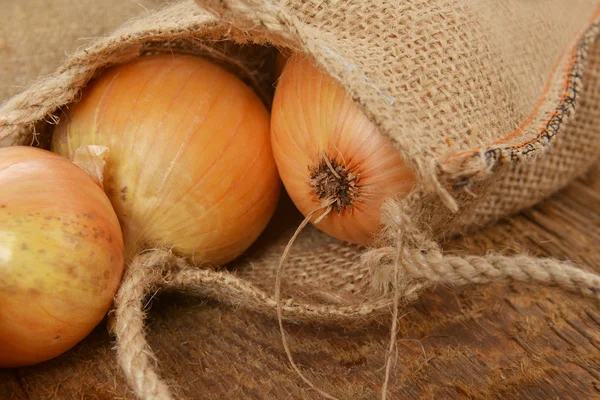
(495, 105)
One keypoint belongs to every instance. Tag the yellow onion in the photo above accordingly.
(190, 165)
(61, 255)
(328, 152)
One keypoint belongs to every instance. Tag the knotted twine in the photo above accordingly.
(411, 263)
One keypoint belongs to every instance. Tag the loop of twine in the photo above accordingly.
(143, 276)
(408, 270)
(395, 306)
(326, 206)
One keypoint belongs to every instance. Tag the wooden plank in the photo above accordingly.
(496, 341)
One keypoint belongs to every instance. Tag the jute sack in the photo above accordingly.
(36, 35)
(494, 105)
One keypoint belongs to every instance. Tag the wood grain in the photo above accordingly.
(492, 342)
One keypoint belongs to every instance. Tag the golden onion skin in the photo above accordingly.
(61, 255)
(190, 165)
(313, 118)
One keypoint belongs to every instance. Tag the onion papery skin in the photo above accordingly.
(190, 165)
(314, 117)
(61, 255)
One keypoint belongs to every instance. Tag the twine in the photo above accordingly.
(159, 269)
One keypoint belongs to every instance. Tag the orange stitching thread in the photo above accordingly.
(565, 86)
(540, 102)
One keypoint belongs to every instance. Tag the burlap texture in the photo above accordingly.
(473, 94)
(575, 149)
(36, 35)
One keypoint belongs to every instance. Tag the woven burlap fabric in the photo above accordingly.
(461, 88)
(574, 150)
(36, 35)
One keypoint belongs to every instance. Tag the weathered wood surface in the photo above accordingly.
(491, 342)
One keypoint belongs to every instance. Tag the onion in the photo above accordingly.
(61, 255)
(328, 152)
(190, 165)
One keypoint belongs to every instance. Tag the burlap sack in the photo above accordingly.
(36, 35)
(479, 96)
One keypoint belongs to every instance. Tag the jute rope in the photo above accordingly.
(144, 275)
(159, 269)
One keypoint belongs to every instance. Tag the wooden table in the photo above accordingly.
(496, 341)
